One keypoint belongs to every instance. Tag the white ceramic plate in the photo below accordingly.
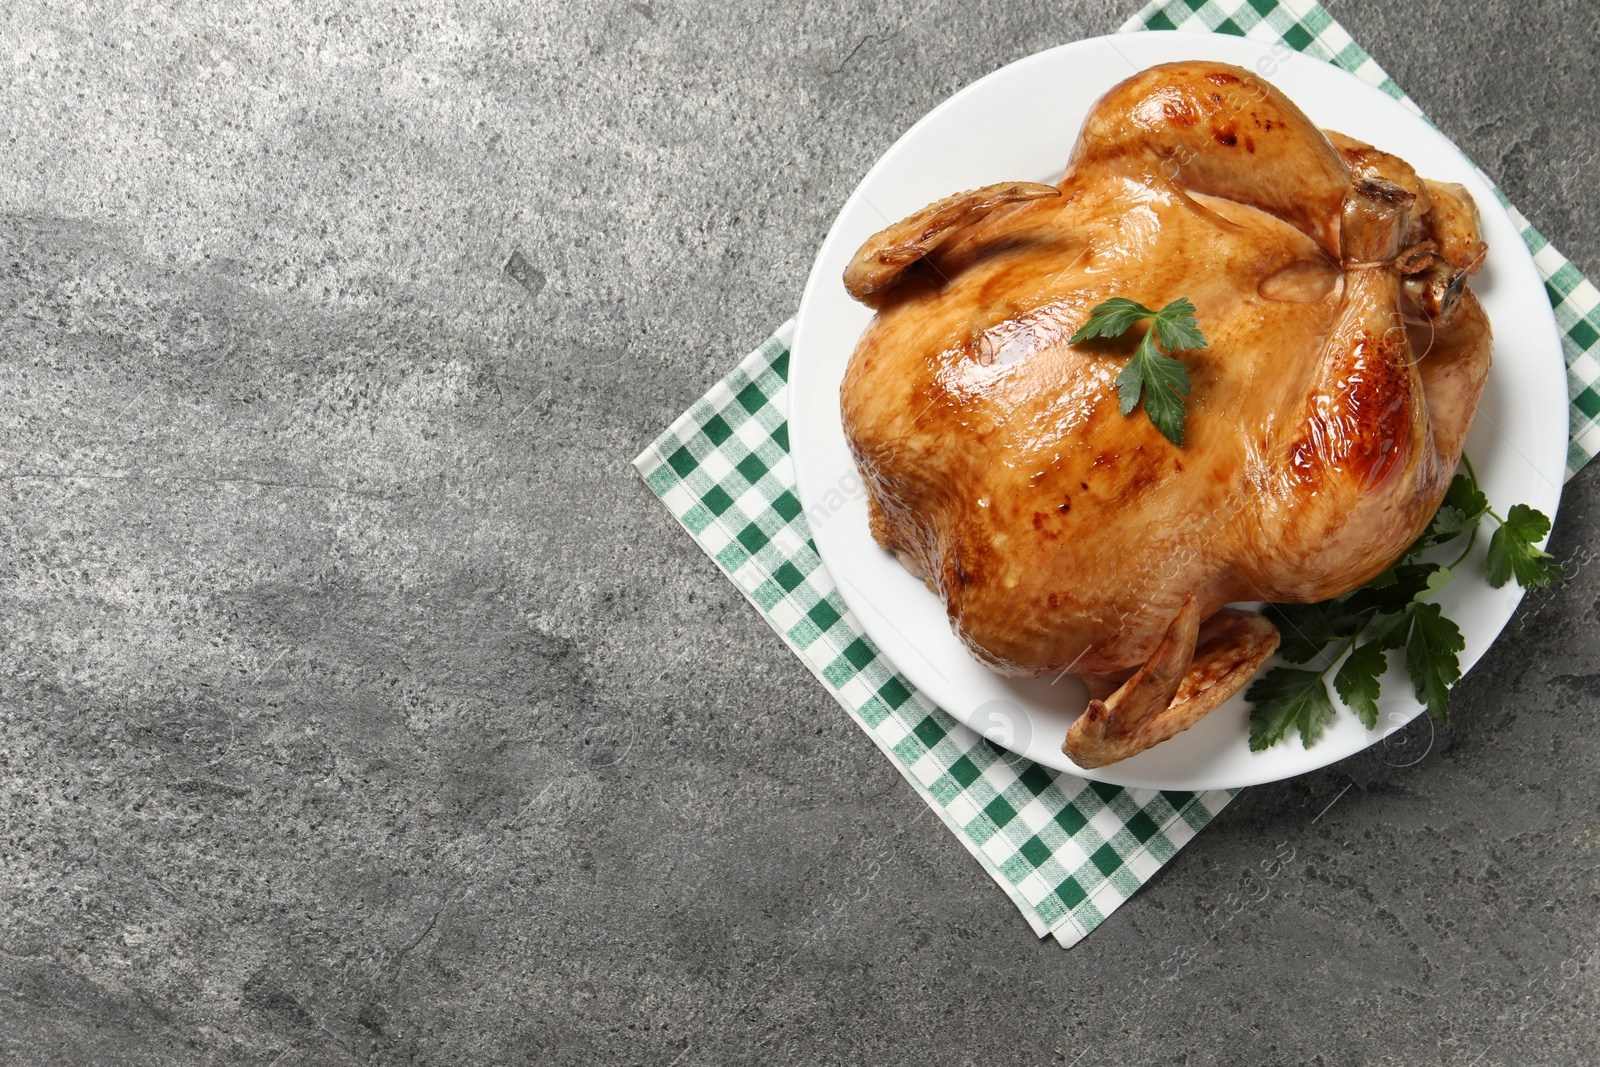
(1020, 123)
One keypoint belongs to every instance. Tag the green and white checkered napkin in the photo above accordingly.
(1066, 851)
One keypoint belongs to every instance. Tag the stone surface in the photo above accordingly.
(358, 704)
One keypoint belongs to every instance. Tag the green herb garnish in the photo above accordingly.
(1389, 613)
(1512, 553)
(1151, 375)
(1287, 697)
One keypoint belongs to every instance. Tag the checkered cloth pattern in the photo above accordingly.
(1066, 851)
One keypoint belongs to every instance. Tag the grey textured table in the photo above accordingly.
(357, 704)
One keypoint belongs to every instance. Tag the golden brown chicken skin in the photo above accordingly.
(1344, 363)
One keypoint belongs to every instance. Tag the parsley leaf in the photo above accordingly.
(1176, 327)
(1512, 551)
(1357, 682)
(1151, 376)
(1389, 631)
(1304, 630)
(1166, 378)
(1432, 658)
(1407, 581)
(1285, 697)
(1111, 318)
(1384, 580)
(1464, 507)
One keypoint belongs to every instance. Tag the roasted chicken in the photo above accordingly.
(1344, 363)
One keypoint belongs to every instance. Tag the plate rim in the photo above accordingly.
(1278, 52)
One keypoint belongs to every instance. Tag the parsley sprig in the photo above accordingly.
(1390, 613)
(1151, 375)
